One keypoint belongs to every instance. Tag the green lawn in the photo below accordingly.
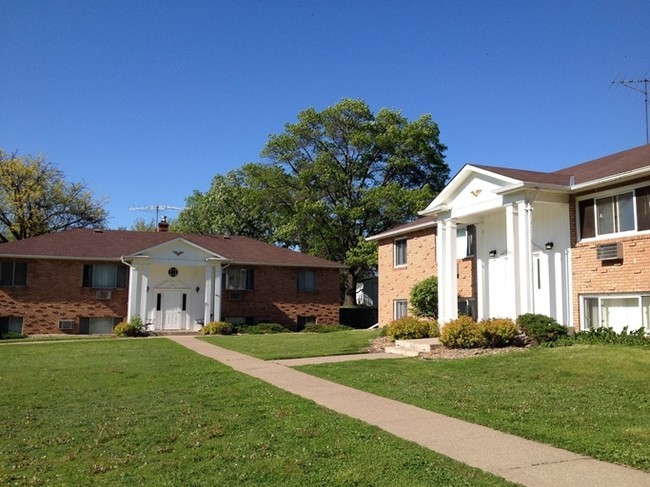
(149, 412)
(593, 400)
(297, 345)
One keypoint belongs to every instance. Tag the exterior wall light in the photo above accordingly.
(197, 289)
(548, 245)
(492, 253)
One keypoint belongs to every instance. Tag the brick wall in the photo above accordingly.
(54, 292)
(592, 276)
(396, 282)
(275, 297)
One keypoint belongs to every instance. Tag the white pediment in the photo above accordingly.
(178, 251)
(473, 190)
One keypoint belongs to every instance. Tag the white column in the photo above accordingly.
(512, 268)
(217, 293)
(447, 271)
(481, 276)
(524, 258)
(208, 293)
(134, 293)
(143, 293)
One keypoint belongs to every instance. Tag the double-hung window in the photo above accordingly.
(400, 308)
(616, 312)
(623, 212)
(307, 280)
(399, 251)
(105, 275)
(239, 279)
(13, 274)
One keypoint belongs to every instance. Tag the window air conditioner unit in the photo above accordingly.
(236, 295)
(66, 324)
(613, 251)
(104, 294)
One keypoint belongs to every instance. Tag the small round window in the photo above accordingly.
(173, 272)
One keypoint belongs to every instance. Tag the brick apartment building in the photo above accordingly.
(573, 244)
(85, 281)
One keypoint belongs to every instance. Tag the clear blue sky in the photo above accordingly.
(146, 101)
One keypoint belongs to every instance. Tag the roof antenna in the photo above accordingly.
(155, 208)
(634, 84)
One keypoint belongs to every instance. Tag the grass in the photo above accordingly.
(297, 345)
(593, 400)
(151, 413)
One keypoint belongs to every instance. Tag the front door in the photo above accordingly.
(172, 309)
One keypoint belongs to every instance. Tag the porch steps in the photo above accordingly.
(413, 348)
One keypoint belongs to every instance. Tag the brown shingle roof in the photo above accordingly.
(86, 244)
(529, 176)
(426, 221)
(607, 166)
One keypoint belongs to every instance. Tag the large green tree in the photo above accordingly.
(35, 199)
(330, 180)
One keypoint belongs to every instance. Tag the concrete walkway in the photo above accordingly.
(516, 459)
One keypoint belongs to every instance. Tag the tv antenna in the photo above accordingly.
(156, 208)
(636, 84)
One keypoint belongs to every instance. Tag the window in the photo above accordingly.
(399, 250)
(400, 308)
(465, 241)
(13, 274)
(306, 280)
(105, 275)
(11, 324)
(616, 312)
(98, 325)
(623, 212)
(238, 278)
(303, 321)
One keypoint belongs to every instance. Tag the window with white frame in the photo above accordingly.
(11, 324)
(399, 252)
(465, 241)
(400, 308)
(616, 312)
(609, 214)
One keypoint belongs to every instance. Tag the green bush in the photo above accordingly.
(317, 328)
(134, 328)
(10, 335)
(541, 328)
(498, 332)
(609, 336)
(463, 332)
(424, 298)
(434, 328)
(409, 327)
(217, 328)
(262, 329)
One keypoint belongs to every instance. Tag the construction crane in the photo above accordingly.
(156, 208)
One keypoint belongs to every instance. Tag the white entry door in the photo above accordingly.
(172, 309)
(541, 285)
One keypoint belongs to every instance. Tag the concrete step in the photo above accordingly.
(406, 352)
(419, 344)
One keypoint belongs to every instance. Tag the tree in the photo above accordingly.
(329, 181)
(35, 199)
(424, 298)
(353, 174)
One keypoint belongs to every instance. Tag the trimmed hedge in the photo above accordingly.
(262, 329)
(541, 328)
(317, 328)
(217, 328)
(409, 327)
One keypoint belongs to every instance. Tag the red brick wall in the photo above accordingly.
(592, 276)
(276, 297)
(54, 292)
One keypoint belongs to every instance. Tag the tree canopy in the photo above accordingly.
(328, 181)
(35, 199)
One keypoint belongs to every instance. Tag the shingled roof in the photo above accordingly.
(87, 244)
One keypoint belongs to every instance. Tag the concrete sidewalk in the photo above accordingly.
(516, 459)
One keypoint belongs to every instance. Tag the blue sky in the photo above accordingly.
(147, 101)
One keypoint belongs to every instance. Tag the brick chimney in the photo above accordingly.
(163, 225)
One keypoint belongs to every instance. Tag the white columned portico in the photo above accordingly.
(512, 237)
(134, 293)
(524, 258)
(447, 271)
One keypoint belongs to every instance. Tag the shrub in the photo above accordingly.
(541, 328)
(463, 332)
(609, 336)
(424, 298)
(263, 329)
(217, 328)
(434, 328)
(317, 328)
(408, 327)
(10, 335)
(134, 328)
(499, 332)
